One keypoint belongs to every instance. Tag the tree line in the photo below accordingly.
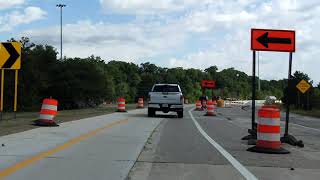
(89, 82)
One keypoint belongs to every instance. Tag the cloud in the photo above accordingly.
(205, 21)
(15, 18)
(6, 4)
(192, 33)
(128, 42)
(229, 26)
(139, 7)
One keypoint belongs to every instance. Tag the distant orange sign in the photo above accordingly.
(272, 40)
(208, 84)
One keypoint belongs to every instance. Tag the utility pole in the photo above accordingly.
(61, 6)
(238, 87)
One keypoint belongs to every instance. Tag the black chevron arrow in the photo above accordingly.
(265, 40)
(14, 55)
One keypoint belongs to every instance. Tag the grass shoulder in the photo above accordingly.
(312, 113)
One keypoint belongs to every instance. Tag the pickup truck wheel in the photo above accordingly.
(151, 112)
(180, 114)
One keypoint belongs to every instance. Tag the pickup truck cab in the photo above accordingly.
(165, 98)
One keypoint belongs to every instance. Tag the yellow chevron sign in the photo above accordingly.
(10, 55)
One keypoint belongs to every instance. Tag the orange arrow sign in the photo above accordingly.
(272, 40)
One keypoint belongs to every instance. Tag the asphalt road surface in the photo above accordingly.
(132, 146)
(178, 150)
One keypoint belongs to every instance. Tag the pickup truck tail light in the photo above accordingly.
(148, 98)
(181, 99)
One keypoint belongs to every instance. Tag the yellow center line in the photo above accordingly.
(20, 165)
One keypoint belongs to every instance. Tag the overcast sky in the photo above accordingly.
(171, 33)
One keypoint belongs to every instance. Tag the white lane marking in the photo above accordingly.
(306, 127)
(236, 164)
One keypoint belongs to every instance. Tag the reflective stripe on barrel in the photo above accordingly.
(268, 130)
(46, 117)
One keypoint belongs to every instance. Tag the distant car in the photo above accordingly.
(165, 98)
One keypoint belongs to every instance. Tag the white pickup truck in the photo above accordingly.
(165, 98)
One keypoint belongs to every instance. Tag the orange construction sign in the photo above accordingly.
(272, 40)
(210, 84)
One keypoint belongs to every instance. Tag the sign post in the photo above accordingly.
(272, 40)
(288, 104)
(253, 131)
(15, 93)
(2, 88)
(253, 92)
(10, 58)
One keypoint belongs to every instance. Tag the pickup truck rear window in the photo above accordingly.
(166, 88)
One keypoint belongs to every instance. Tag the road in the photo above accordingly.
(132, 146)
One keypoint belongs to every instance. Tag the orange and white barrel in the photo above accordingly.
(268, 132)
(49, 110)
(140, 103)
(121, 105)
(198, 105)
(210, 109)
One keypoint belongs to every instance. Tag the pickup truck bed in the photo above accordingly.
(165, 98)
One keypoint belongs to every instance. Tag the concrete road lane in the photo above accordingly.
(132, 146)
(177, 150)
(103, 147)
(304, 161)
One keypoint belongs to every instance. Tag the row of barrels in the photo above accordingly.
(268, 125)
(49, 110)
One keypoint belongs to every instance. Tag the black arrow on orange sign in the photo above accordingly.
(14, 55)
(265, 40)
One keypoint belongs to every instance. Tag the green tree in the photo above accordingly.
(88, 82)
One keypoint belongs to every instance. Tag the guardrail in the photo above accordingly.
(243, 103)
